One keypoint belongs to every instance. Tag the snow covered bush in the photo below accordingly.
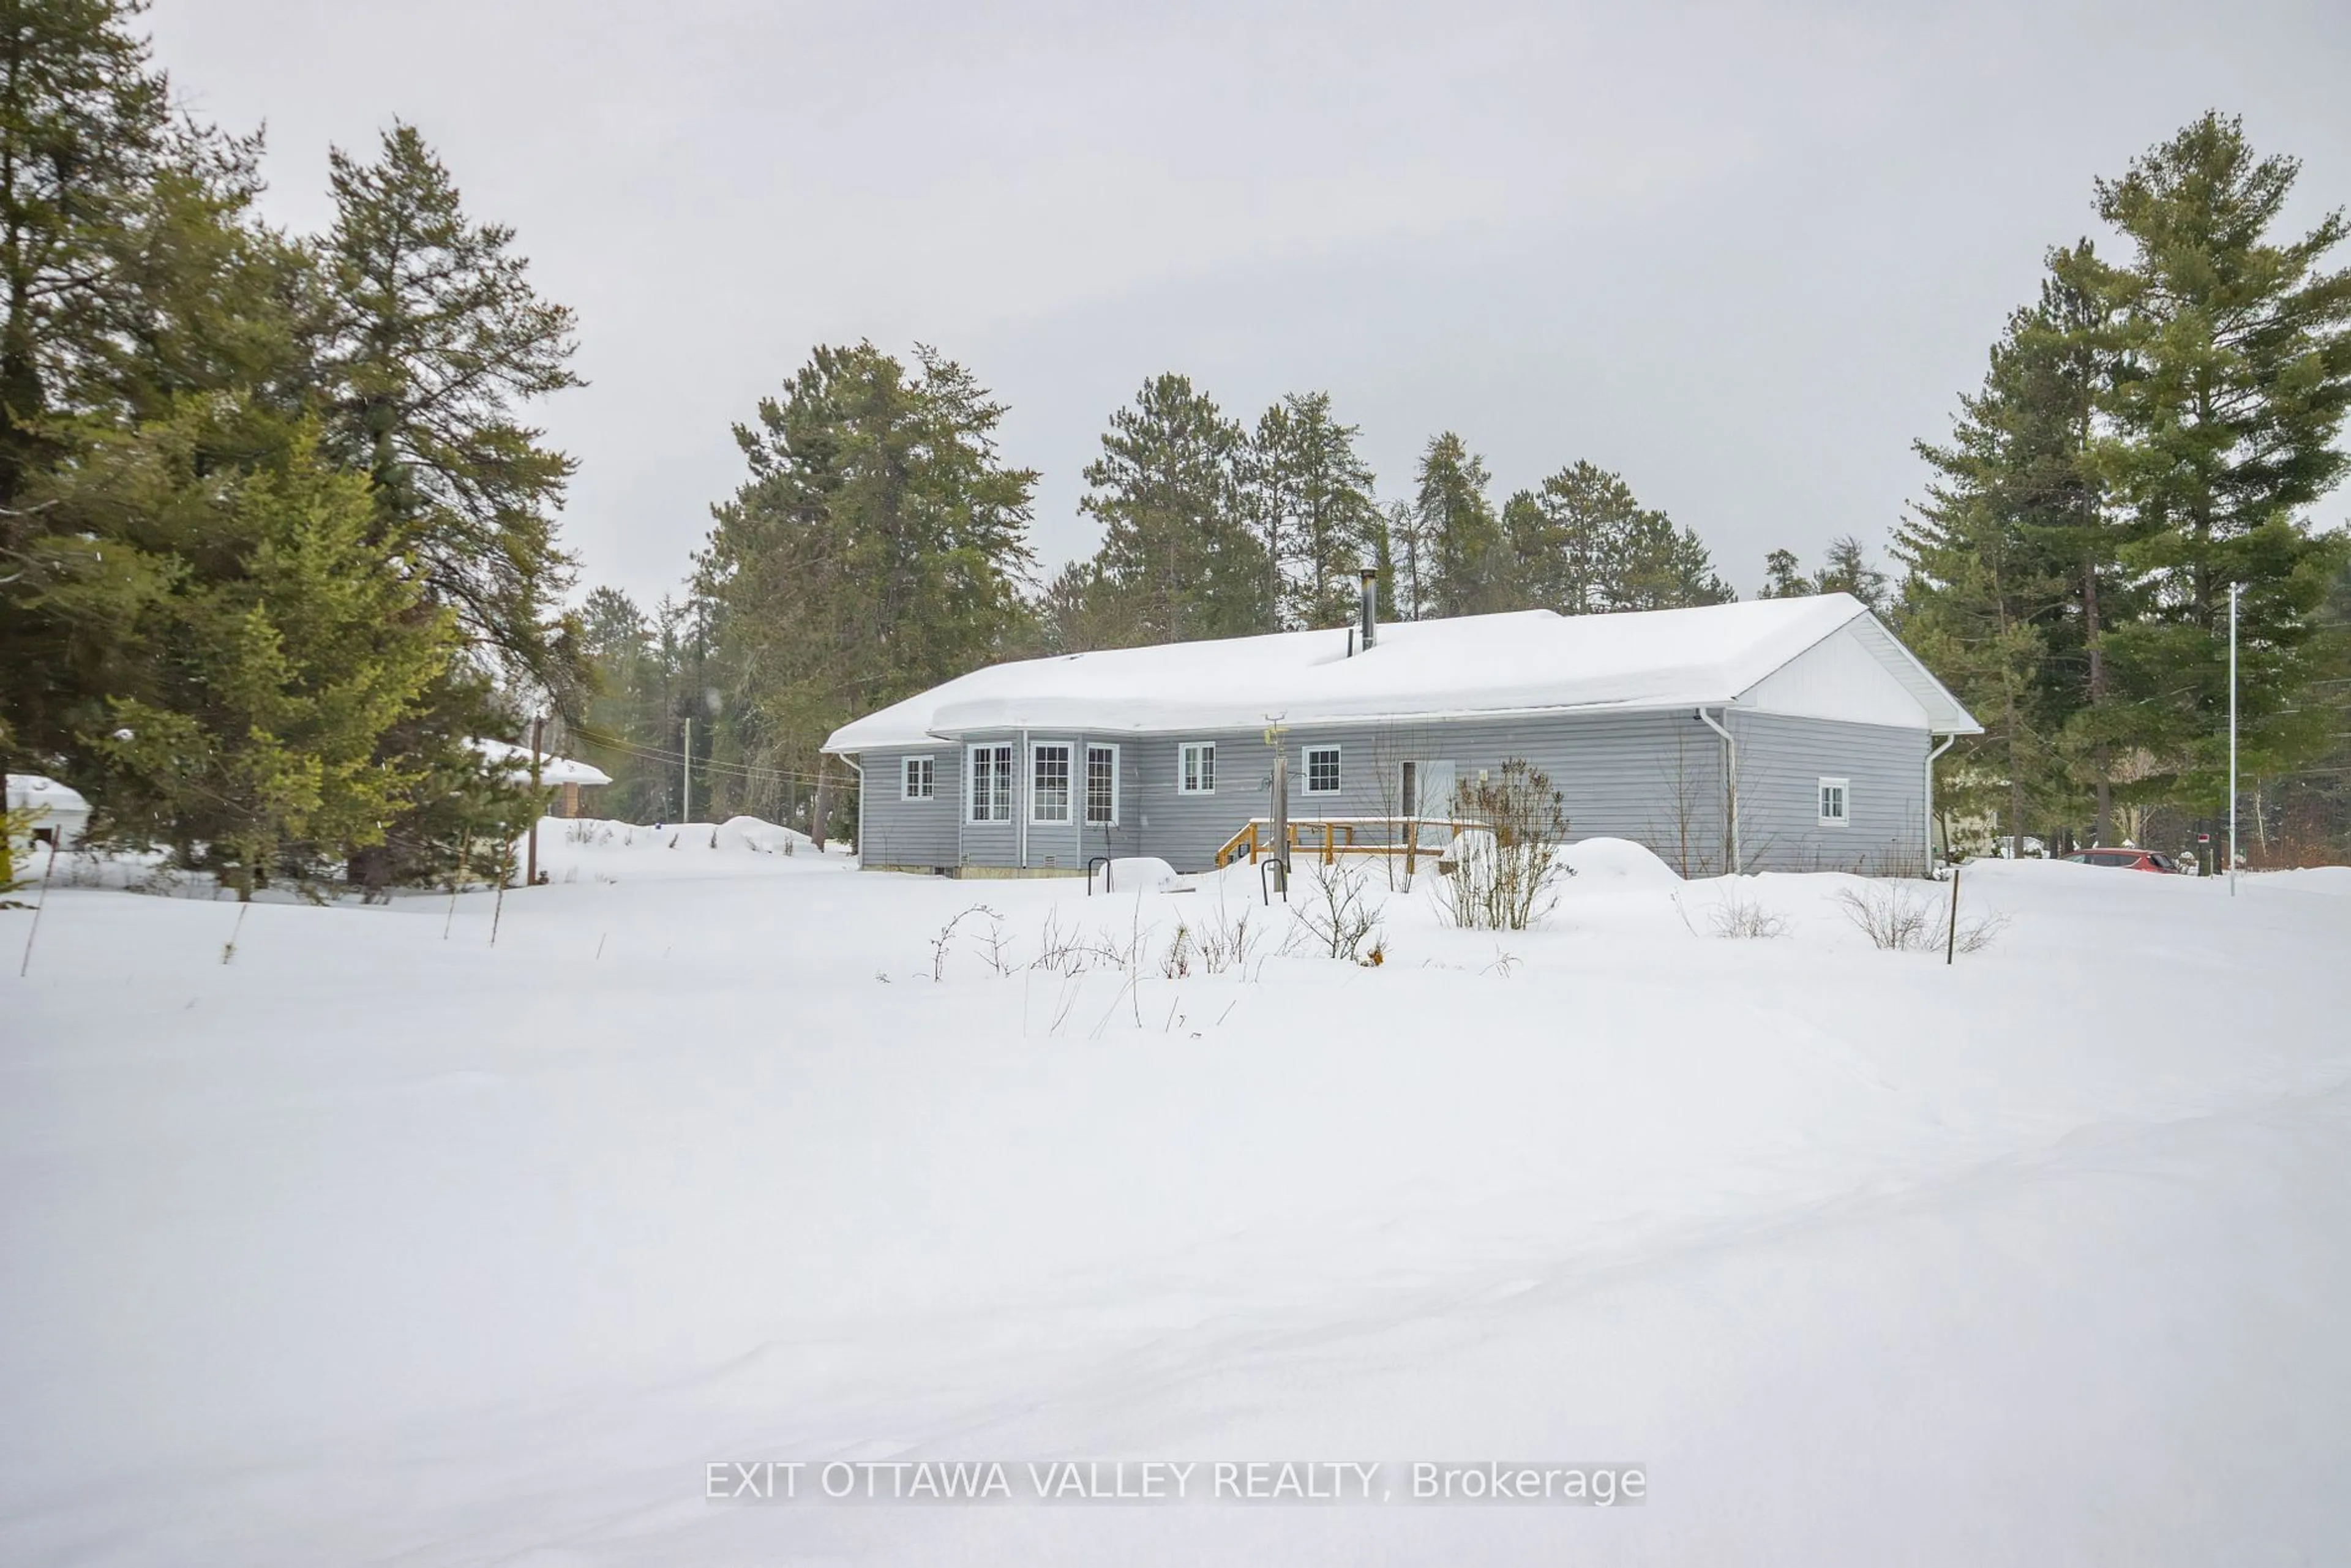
(1502, 872)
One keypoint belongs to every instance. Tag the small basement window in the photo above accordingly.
(1836, 802)
(920, 781)
(1195, 768)
(1322, 770)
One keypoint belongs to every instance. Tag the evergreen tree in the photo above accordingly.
(1467, 566)
(1784, 577)
(1847, 568)
(84, 123)
(878, 547)
(1661, 567)
(136, 282)
(1179, 560)
(2232, 378)
(1581, 544)
(1079, 612)
(2013, 567)
(627, 718)
(1411, 579)
(434, 339)
(1308, 494)
(1268, 489)
(285, 643)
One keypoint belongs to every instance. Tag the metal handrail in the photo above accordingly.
(1103, 861)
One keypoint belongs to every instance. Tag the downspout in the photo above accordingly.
(1948, 741)
(1730, 784)
(1023, 781)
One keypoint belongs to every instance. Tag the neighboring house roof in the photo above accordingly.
(30, 791)
(552, 770)
(1826, 656)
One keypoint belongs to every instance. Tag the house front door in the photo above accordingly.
(1428, 791)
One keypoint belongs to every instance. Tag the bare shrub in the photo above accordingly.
(1895, 916)
(1228, 941)
(1975, 934)
(1062, 951)
(945, 939)
(1176, 964)
(1742, 917)
(1903, 918)
(1503, 873)
(1338, 917)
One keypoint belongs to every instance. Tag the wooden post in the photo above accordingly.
(40, 904)
(538, 806)
(821, 806)
(1951, 936)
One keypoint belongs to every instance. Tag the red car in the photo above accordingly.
(2128, 860)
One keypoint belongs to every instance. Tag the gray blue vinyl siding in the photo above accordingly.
(1781, 761)
(894, 831)
(1655, 778)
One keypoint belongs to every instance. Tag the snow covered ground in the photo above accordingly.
(380, 1243)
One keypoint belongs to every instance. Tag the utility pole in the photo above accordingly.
(2233, 589)
(538, 732)
(685, 762)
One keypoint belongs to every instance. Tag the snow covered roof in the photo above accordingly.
(552, 770)
(30, 791)
(1479, 665)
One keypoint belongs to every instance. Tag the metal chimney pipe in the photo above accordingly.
(1371, 606)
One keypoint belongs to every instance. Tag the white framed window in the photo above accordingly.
(991, 771)
(1048, 782)
(1195, 768)
(918, 780)
(1836, 802)
(1102, 786)
(1322, 770)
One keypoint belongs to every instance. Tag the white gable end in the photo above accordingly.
(1839, 677)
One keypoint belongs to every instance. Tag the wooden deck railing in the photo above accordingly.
(1328, 838)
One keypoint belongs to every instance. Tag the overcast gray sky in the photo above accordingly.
(1743, 256)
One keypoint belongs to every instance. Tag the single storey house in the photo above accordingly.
(1781, 735)
(566, 775)
(45, 812)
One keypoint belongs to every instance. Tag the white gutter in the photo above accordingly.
(1730, 784)
(1948, 741)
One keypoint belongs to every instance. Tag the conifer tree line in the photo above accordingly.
(275, 538)
(879, 547)
(2155, 427)
(278, 539)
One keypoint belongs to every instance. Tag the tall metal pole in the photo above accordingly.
(2232, 739)
(685, 785)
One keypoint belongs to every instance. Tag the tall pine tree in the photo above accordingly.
(2231, 379)
(878, 547)
(1466, 559)
(434, 339)
(1308, 494)
(1178, 560)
